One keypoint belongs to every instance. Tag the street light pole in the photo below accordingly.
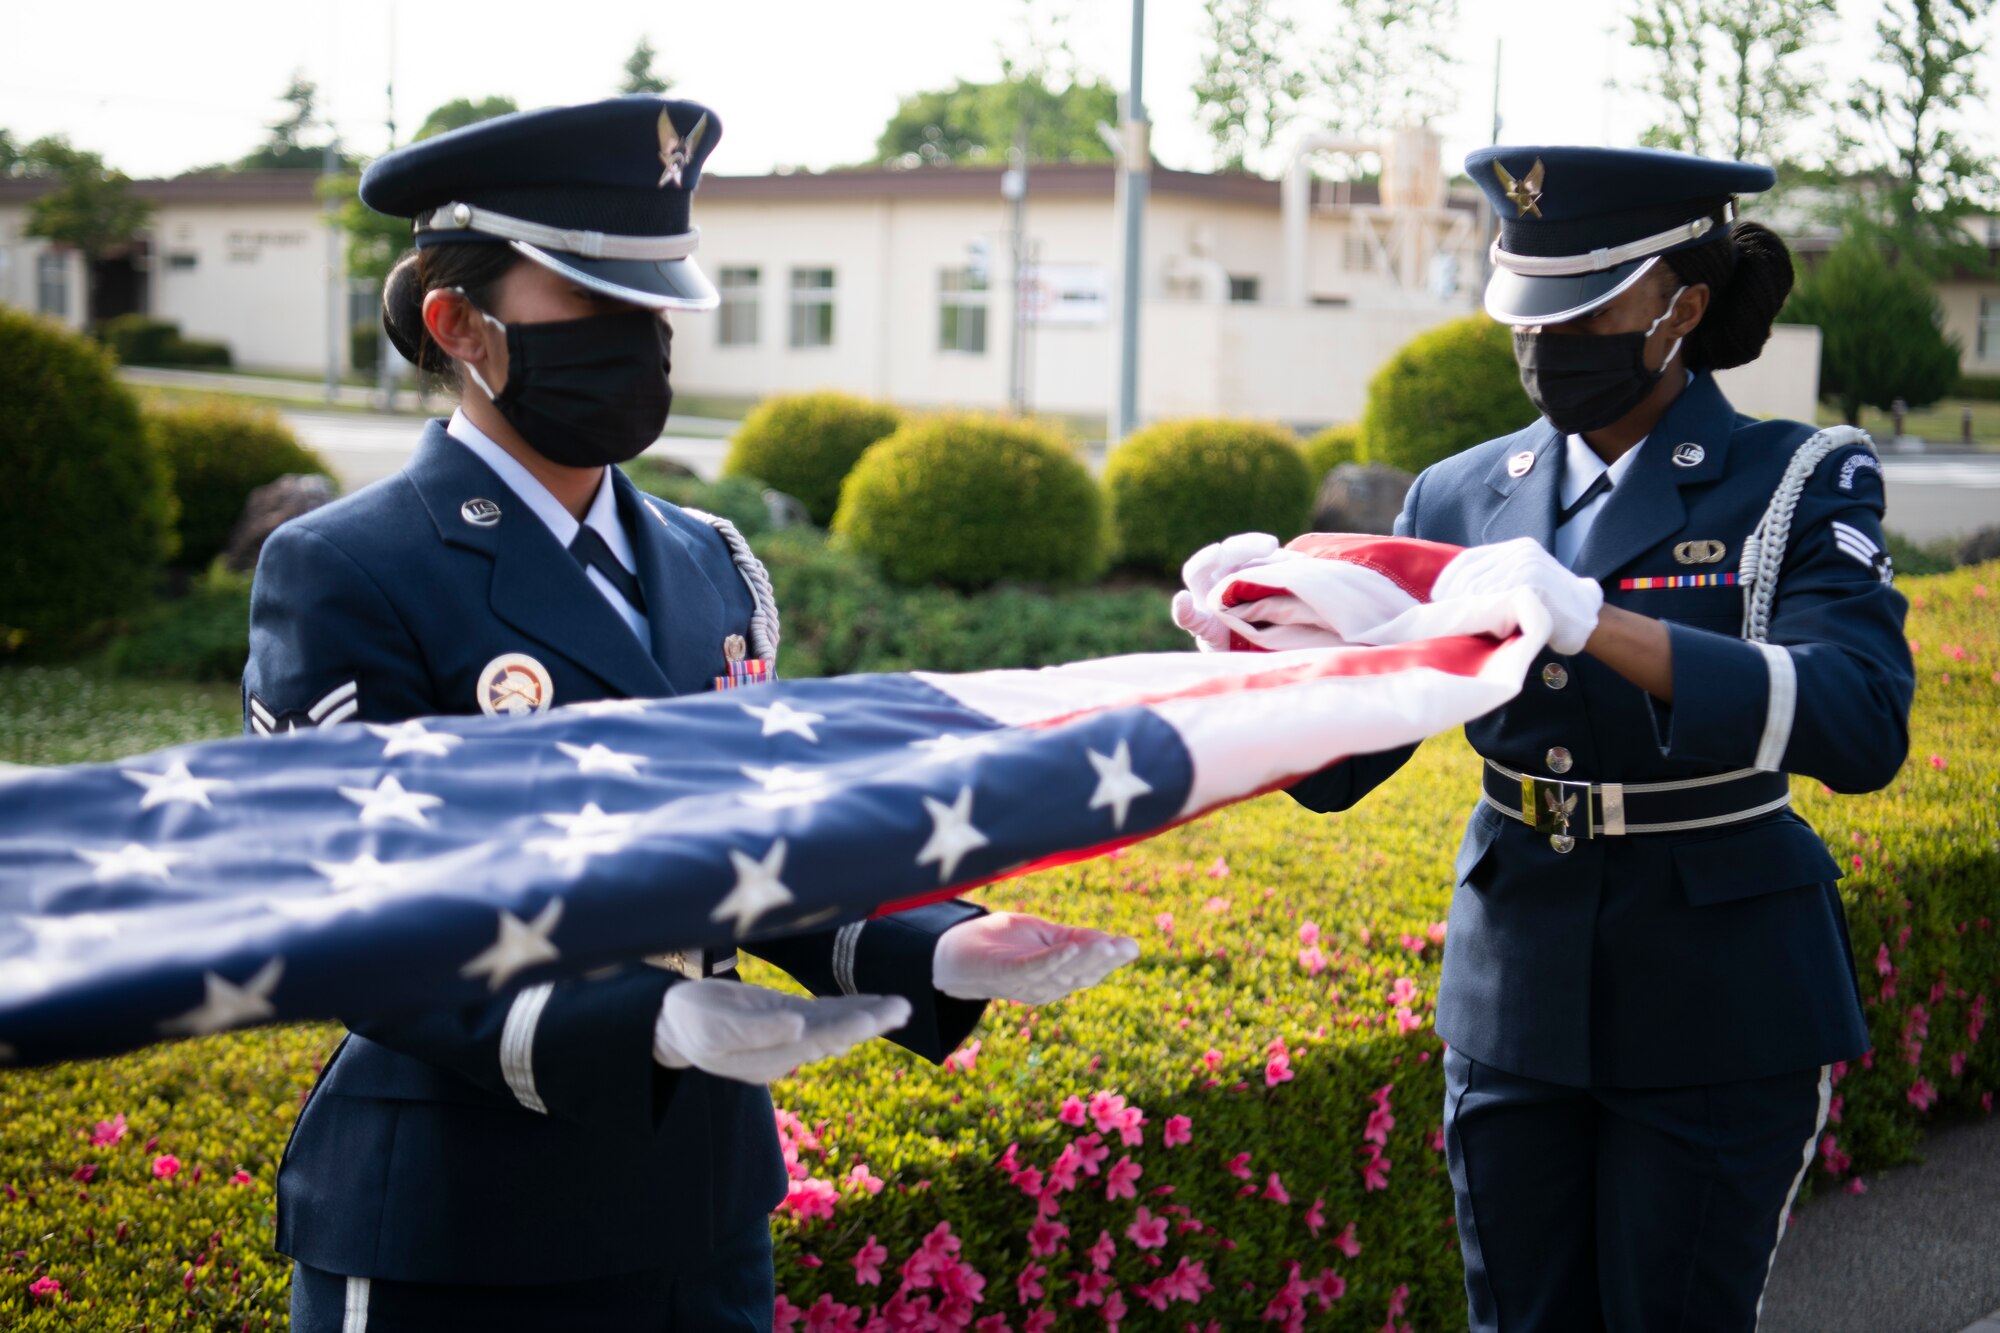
(1135, 154)
(336, 292)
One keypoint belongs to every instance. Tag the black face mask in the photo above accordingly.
(587, 392)
(1583, 381)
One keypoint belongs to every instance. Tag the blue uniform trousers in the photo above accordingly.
(734, 1292)
(1623, 1209)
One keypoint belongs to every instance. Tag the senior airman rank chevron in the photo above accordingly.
(360, 870)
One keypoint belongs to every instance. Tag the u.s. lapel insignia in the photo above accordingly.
(1700, 553)
(514, 685)
(675, 151)
(1689, 455)
(1526, 193)
(480, 513)
(1521, 464)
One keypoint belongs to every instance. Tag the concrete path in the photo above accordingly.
(1918, 1253)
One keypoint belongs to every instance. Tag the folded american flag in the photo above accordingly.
(361, 870)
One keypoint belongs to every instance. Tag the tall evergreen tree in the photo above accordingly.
(639, 75)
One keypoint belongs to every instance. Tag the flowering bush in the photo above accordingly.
(1240, 1131)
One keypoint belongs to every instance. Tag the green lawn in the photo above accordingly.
(1938, 424)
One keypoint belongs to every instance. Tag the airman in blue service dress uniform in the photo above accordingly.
(1647, 968)
(595, 1153)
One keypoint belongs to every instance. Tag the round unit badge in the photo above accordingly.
(514, 685)
(480, 513)
(1519, 464)
(1689, 455)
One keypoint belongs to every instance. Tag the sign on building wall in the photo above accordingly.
(1074, 294)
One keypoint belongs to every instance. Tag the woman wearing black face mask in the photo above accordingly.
(1648, 988)
(579, 1153)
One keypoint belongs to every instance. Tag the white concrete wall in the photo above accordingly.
(1783, 381)
(20, 258)
(259, 281)
(1961, 317)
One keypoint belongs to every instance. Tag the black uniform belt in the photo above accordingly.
(694, 964)
(1613, 809)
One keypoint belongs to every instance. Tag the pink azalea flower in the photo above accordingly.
(1164, 922)
(1179, 1130)
(863, 1179)
(1937, 762)
(1434, 932)
(1114, 1310)
(1072, 1112)
(1029, 1181)
(1131, 1127)
(1105, 1109)
(1380, 1122)
(1239, 1166)
(1329, 1286)
(45, 1287)
(811, 1261)
(1414, 943)
(1403, 992)
(1316, 1216)
(1309, 933)
(1218, 869)
(241, 1177)
(829, 1316)
(1120, 1179)
(1399, 1301)
(1883, 967)
(963, 1059)
(1833, 1107)
(165, 1166)
(1090, 1289)
(1274, 1190)
(1407, 1022)
(1028, 1286)
(1213, 1058)
(1103, 1252)
(1312, 960)
(109, 1131)
(1046, 1238)
(1857, 1186)
(1041, 1321)
(1921, 1094)
(1147, 1231)
(85, 1173)
(1278, 1069)
(1010, 1161)
(1091, 1152)
(868, 1261)
(993, 1323)
(811, 1198)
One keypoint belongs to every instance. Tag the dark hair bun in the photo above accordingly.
(1745, 293)
(403, 315)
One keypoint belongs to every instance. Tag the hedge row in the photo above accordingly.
(1260, 1090)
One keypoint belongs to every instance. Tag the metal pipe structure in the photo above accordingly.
(1135, 163)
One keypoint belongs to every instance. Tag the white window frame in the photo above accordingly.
(964, 297)
(739, 319)
(801, 336)
(52, 283)
(1987, 343)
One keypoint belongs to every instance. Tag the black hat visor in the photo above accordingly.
(1514, 298)
(656, 284)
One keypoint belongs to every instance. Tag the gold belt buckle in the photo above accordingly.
(1557, 808)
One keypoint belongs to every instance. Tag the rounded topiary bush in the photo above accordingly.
(805, 444)
(1332, 447)
(1179, 485)
(1446, 390)
(972, 500)
(88, 508)
(218, 453)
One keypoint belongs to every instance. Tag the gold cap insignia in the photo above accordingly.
(1526, 193)
(674, 151)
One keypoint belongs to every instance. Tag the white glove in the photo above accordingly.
(1484, 571)
(1008, 956)
(1207, 568)
(754, 1034)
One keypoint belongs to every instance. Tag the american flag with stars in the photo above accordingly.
(360, 870)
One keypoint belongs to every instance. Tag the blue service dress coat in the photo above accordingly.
(532, 1138)
(1674, 958)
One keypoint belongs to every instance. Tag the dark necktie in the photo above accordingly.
(592, 553)
(1590, 492)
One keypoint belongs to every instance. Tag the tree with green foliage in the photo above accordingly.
(462, 111)
(285, 147)
(1729, 72)
(639, 76)
(1383, 64)
(1249, 88)
(977, 123)
(1912, 113)
(1881, 328)
(91, 207)
(10, 156)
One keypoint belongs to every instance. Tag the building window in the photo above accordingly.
(182, 261)
(812, 307)
(737, 315)
(1358, 252)
(962, 311)
(1989, 328)
(1242, 289)
(52, 283)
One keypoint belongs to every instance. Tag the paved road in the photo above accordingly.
(1918, 1253)
(1930, 496)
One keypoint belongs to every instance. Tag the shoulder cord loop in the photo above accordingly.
(1764, 548)
(764, 602)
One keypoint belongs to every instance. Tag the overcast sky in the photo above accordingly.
(161, 87)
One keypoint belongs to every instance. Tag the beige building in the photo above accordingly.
(242, 259)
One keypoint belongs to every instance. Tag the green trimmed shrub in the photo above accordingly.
(219, 453)
(739, 499)
(140, 340)
(1179, 485)
(202, 636)
(88, 509)
(1332, 447)
(805, 444)
(1978, 388)
(1446, 390)
(971, 500)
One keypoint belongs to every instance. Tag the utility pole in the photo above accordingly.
(1487, 220)
(336, 291)
(1014, 184)
(1135, 161)
(388, 361)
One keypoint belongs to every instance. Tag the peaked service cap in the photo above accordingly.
(597, 192)
(1580, 225)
